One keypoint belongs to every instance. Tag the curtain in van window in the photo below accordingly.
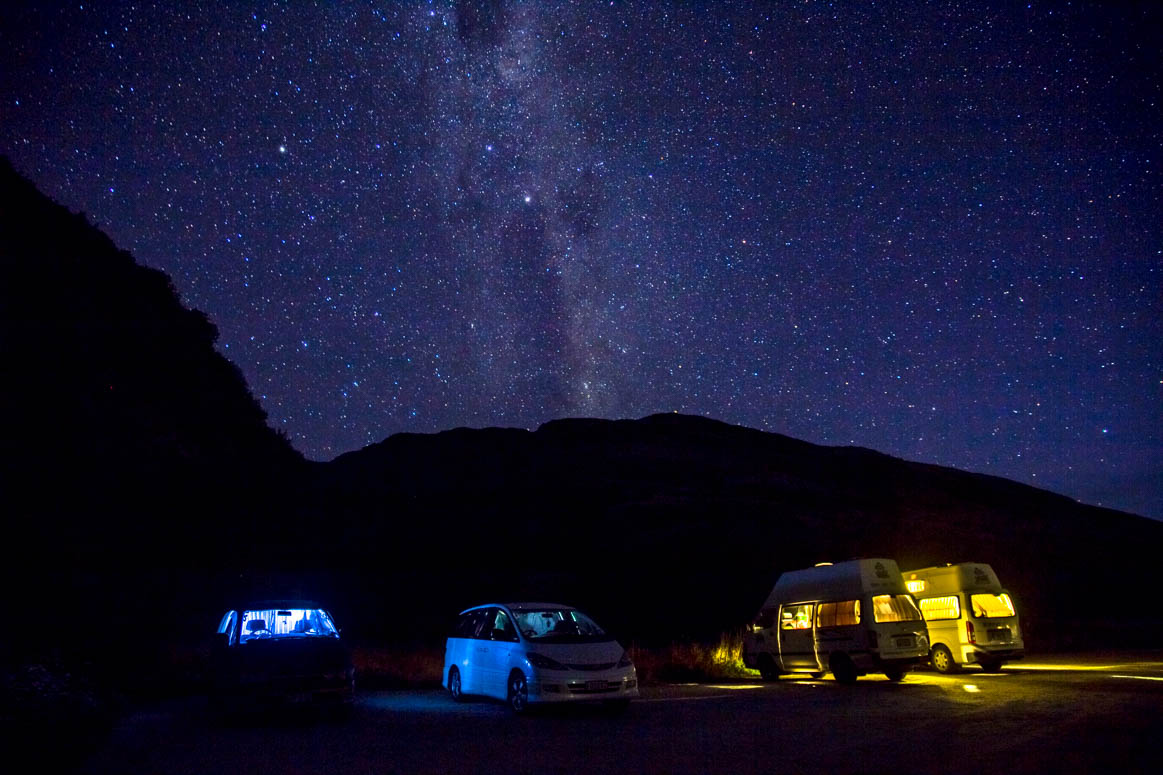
(937, 609)
(842, 614)
(992, 606)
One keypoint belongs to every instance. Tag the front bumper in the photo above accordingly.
(570, 686)
(298, 690)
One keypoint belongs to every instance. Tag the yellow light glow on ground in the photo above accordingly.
(971, 688)
(1062, 667)
(736, 686)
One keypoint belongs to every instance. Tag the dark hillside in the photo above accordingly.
(679, 525)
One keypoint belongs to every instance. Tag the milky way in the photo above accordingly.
(930, 229)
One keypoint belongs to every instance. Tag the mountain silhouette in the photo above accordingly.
(679, 525)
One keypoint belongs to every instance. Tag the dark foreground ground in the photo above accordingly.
(1077, 714)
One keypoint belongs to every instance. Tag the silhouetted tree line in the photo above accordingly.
(130, 443)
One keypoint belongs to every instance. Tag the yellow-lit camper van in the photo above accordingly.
(971, 618)
(850, 618)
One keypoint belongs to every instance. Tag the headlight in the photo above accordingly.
(544, 662)
(625, 660)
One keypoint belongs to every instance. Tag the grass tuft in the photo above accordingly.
(718, 661)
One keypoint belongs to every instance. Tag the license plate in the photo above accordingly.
(903, 643)
(596, 686)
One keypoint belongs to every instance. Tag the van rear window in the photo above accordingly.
(992, 606)
(894, 608)
(937, 608)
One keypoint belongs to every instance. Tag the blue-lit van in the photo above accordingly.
(279, 651)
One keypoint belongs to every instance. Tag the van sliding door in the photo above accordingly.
(797, 642)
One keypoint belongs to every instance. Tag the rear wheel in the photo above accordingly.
(989, 665)
(842, 668)
(454, 687)
(942, 660)
(767, 669)
(518, 692)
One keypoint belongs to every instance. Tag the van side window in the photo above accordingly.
(468, 624)
(502, 627)
(842, 614)
(227, 627)
(796, 617)
(936, 609)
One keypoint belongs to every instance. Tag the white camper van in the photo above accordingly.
(971, 619)
(850, 618)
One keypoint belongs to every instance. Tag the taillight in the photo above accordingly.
(970, 632)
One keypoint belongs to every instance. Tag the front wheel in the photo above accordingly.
(518, 692)
(942, 660)
(454, 687)
(767, 669)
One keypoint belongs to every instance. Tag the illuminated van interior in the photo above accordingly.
(286, 623)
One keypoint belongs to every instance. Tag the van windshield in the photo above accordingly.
(895, 608)
(558, 625)
(286, 623)
(992, 606)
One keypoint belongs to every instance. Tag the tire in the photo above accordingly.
(518, 695)
(842, 669)
(989, 665)
(454, 686)
(942, 659)
(816, 674)
(894, 674)
(767, 669)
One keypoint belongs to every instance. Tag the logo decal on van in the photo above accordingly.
(881, 573)
(979, 576)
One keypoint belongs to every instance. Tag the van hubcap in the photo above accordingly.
(518, 692)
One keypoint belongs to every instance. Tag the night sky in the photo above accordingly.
(931, 229)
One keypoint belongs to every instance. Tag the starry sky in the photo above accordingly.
(927, 228)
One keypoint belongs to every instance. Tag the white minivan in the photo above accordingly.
(851, 618)
(536, 653)
(971, 618)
